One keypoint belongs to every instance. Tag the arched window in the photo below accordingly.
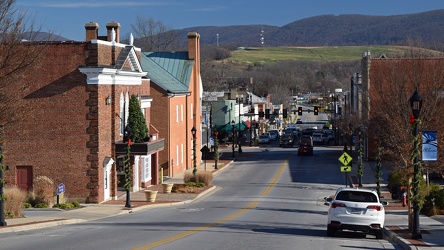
(122, 113)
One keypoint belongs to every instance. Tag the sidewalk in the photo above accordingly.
(55, 217)
(432, 228)
(396, 218)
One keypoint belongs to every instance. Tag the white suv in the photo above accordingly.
(356, 210)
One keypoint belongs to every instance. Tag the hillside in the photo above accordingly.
(331, 30)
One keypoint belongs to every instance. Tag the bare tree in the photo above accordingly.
(17, 54)
(153, 35)
(393, 81)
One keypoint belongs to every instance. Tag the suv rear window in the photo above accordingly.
(356, 196)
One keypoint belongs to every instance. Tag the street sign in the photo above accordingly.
(346, 169)
(61, 189)
(345, 159)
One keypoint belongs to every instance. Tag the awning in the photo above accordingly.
(226, 127)
(229, 127)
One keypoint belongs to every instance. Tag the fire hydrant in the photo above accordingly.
(404, 198)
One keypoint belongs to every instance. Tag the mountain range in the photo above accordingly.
(330, 30)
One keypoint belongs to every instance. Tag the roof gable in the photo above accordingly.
(169, 70)
(128, 60)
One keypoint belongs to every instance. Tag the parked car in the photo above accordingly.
(356, 210)
(274, 134)
(319, 138)
(305, 150)
(286, 140)
(264, 139)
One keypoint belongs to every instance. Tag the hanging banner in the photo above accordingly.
(429, 145)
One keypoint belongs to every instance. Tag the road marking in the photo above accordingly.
(218, 222)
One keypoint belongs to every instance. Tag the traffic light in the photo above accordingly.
(300, 111)
(316, 110)
(267, 113)
(284, 113)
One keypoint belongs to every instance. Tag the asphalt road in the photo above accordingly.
(271, 199)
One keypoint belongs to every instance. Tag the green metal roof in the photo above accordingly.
(169, 70)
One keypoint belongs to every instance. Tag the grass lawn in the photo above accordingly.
(268, 55)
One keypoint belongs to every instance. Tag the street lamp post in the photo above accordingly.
(128, 173)
(193, 132)
(3, 222)
(415, 105)
(232, 136)
(239, 137)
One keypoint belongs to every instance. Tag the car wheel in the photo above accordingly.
(331, 232)
(379, 234)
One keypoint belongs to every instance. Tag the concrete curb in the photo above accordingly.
(400, 241)
(40, 225)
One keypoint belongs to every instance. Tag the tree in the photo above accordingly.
(17, 54)
(153, 35)
(392, 82)
(136, 121)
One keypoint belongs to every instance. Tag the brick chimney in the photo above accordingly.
(92, 31)
(109, 27)
(193, 45)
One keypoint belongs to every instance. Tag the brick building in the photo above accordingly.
(383, 80)
(176, 89)
(77, 95)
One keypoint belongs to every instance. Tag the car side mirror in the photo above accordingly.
(328, 200)
(385, 203)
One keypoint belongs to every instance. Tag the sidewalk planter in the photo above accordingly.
(167, 187)
(151, 195)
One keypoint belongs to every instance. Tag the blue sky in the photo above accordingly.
(67, 18)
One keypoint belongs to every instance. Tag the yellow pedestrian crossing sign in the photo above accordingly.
(346, 169)
(345, 159)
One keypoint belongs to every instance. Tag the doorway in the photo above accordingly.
(24, 177)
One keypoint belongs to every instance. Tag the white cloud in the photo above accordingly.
(91, 4)
(209, 9)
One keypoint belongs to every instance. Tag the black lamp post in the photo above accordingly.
(193, 132)
(128, 174)
(2, 206)
(232, 136)
(239, 137)
(415, 105)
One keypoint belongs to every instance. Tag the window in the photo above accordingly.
(181, 112)
(177, 113)
(182, 153)
(122, 113)
(146, 168)
(177, 155)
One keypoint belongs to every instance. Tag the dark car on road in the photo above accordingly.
(286, 140)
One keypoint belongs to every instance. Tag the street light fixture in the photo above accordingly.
(193, 132)
(416, 104)
(232, 136)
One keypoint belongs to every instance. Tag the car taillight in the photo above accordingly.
(337, 204)
(375, 207)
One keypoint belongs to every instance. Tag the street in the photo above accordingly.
(268, 199)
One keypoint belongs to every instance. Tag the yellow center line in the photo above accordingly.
(216, 223)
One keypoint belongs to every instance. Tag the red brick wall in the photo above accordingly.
(69, 129)
(52, 136)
